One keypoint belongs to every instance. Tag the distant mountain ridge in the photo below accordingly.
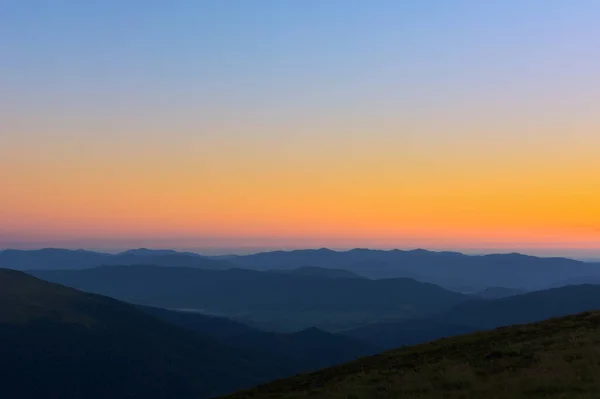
(52, 258)
(269, 300)
(451, 270)
(155, 252)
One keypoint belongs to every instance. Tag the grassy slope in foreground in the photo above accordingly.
(557, 358)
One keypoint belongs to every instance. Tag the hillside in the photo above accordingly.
(54, 339)
(557, 358)
(62, 343)
(273, 301)
(290, 353)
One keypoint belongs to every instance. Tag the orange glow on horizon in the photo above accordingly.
(365, 189)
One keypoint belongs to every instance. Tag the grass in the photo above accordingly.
(557, 358)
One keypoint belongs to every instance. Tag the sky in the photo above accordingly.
(234, 125)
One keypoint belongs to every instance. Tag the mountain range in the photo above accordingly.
(385, 312)
(278, 301)
(53, 258)
(451, 270)
(163, 333)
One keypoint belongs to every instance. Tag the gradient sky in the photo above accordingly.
(223, 124)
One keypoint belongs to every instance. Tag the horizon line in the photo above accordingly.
(236, 252)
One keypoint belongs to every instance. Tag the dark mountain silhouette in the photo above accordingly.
(60, 342)
(279, 301)
(50, 258)
(483, 315)
(497, 293)
(451, 270)
(448, 269)
(174, 260)
(556, 358)
(292, 353)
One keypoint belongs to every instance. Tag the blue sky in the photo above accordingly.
(285, 108)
